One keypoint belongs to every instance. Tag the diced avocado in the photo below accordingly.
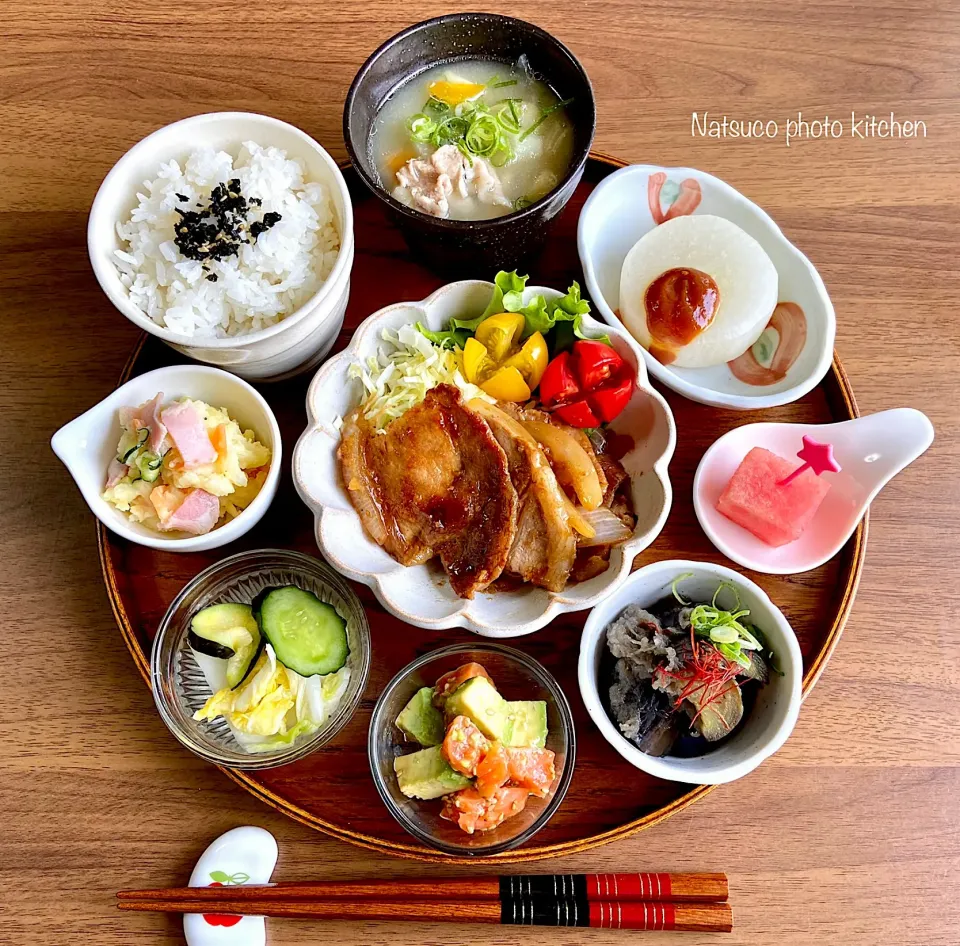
(526, 724)
(479, 700)
(427, 774)
(420, 720)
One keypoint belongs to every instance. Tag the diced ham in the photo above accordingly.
(197, 514)
(147, 415)
(116, 472)
(189, 435)
(151, 418)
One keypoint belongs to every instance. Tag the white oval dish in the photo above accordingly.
(421, 594)
(88, 443)
(777, 706)
(302, 339)
(633, 200)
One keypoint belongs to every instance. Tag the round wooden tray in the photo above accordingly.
(332, 789)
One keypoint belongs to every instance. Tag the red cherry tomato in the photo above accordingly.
(597, 362)
(577, 414)
(588, 385)
(608, 401)
(558, 385)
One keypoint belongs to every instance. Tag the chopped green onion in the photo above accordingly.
(421, 127)
(462, 148)
(676, 581)
(503, 155)
(501, 85)
(720, 587)
(521, 203)
(483, 136)
(544, 115)
(437, 106)
(507, 118)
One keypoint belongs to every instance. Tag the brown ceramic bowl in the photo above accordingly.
(470, 247)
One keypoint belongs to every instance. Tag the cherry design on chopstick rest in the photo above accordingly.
(220, 879)
(244, 855)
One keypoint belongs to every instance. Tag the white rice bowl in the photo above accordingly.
(267, 280)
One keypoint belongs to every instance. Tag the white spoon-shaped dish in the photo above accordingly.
(795, 350)
(871, 450)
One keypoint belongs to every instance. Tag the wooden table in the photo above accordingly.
(850, 834)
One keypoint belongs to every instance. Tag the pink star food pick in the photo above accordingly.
(816, 456)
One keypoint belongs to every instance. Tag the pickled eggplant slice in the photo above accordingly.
(716, 715)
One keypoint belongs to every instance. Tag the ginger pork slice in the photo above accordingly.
(545, 546)
(435, 483)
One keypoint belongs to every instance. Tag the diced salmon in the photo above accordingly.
(472, 812)
(492, 770)
(455, 679)
(531, 769)
(464, 745)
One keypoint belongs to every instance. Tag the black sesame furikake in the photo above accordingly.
(219, 229)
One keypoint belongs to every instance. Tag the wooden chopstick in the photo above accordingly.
(646, 887)
(628, 915)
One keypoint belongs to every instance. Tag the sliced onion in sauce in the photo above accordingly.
(608, 528)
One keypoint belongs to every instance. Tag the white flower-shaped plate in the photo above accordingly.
(796, 348)
(421, 594)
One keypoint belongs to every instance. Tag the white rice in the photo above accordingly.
(268, 279)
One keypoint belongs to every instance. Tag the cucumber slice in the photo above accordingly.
(307, 635)
(149, 466)
(130, 443)
(230, 632)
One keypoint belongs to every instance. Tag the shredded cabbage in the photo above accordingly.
(406, 367)
(275, 705)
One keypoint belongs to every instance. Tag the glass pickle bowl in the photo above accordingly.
(517, 677)
(179, 687)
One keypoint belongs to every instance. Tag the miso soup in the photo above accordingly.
(472, 140)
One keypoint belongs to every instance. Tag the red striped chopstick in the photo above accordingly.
(627, 915)
(587, 888)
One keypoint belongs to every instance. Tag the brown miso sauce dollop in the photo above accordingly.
(680, 304)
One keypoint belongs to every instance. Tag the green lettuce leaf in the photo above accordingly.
(563, 317)
(452, 338)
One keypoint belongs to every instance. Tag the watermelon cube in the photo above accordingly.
(774, 514)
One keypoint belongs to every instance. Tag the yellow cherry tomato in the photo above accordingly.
(475, 360)
(500, 334)
(455, 93)
(531, 360)
(506, 384)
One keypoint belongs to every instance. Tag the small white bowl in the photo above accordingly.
(421, 594)
(302, 339)
(621, 210)
(87, 444)
(777, 706)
